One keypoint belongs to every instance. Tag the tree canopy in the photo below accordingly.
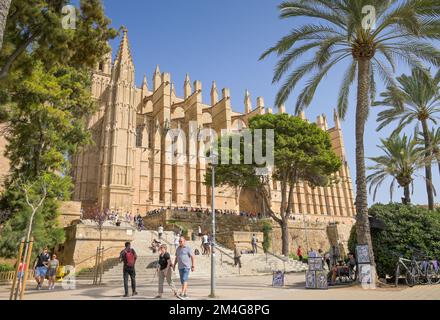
(302, 152)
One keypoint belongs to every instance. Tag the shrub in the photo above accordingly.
(4, 267)
(266, 229)
(406, 227)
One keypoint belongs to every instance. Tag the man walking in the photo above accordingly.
(40, 268)
(299, 253)
(128, 256)
(164, 270)
(160, 232)
(186, 261)
(254, 243)
(237, 256)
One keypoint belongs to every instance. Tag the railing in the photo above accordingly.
(7, 276)
(94, 256)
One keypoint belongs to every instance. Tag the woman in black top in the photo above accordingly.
(164, 270)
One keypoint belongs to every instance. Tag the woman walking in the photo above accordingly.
(164, 270)
(52, 271)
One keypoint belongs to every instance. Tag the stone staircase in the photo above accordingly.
(145, 265)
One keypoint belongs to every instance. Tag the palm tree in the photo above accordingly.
(4, 10)
(415, 100)
(401, 160)
(435, 146)
(401, 31)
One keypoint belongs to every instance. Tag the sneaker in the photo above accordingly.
(158, 296)
(185, 296)
(126, 295)
(135, 293)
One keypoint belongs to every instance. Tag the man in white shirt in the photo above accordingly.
(160, 232)
(206, 244)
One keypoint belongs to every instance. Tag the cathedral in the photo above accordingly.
(125, 167)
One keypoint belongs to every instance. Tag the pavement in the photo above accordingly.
(233, 288)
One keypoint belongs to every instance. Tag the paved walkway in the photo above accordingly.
(237, 288)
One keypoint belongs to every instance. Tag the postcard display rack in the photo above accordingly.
(316, 277)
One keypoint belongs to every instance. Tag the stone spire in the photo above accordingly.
(157, 78)
(269, 110)
(173, 92)
(124, 53)
(302, 115)
(320, 121)
(124, 66)
(324, 122)
(214, 94)
(260, 104)
(187, 90)
(282, 108)
(144, 84)
(247, 102)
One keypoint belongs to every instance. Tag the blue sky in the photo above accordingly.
(222, 41)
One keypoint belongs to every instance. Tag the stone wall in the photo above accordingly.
(82, 240)
(313, 236)
(242, 239)
(226, 224)
(70, 212)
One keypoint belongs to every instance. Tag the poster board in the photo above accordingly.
(321, 280)
(365, 274)
(278, 279)
(315, 264)
(362, 254)
(310, 279)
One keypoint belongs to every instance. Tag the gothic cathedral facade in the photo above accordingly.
(125, 168)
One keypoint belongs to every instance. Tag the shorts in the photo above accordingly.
(51, 272)
(40, 271)
(184, 275)
(20, 274)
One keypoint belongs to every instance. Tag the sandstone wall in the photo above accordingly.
(231, 229)
(314, 235)
(70, 212)
(82, 240)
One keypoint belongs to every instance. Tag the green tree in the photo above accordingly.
(45, 102)
(35, 31)
(46, 228)
(401, 159)
(415, 100)
(435, 146)
(302, 152)
(406, 227)
(401, 30)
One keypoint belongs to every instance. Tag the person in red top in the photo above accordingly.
(299, 253)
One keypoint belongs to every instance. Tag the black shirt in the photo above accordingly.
(42, 258)
(163, 260)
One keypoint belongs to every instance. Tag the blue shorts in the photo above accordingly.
(184, 274)
(40, 271)
(20, 275)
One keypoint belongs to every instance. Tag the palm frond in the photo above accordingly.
(344, 91)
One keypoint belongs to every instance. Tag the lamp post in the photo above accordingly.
(212, 295)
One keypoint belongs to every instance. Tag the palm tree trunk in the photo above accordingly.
(4, 10)
(362, 223)
(407, 197)
(428, 170)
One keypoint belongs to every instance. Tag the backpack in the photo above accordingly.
(130, 258)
